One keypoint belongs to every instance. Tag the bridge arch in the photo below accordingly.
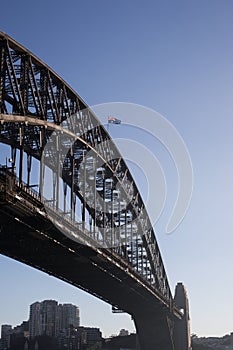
(42, 117)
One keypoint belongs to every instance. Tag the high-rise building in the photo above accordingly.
(42, 318)
(49, 318)
(70, 316)
(34, 319)
(6, 331)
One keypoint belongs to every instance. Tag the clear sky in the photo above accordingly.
(175, 56)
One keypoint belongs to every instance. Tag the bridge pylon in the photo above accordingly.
(182, 336)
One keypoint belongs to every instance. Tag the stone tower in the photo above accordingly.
(182, 327)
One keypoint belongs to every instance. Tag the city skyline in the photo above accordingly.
(176, 58)
(64, 316)
(54, 323)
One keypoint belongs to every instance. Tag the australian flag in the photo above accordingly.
(114, 120)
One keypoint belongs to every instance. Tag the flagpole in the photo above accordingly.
(108, 127)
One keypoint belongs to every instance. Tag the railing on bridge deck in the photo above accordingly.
(12, 187)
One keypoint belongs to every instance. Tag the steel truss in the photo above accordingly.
(43, 118)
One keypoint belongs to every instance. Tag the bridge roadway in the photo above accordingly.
(35, 105)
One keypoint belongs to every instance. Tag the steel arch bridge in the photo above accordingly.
(93, 231)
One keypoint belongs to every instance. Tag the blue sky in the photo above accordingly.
(176, 58)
